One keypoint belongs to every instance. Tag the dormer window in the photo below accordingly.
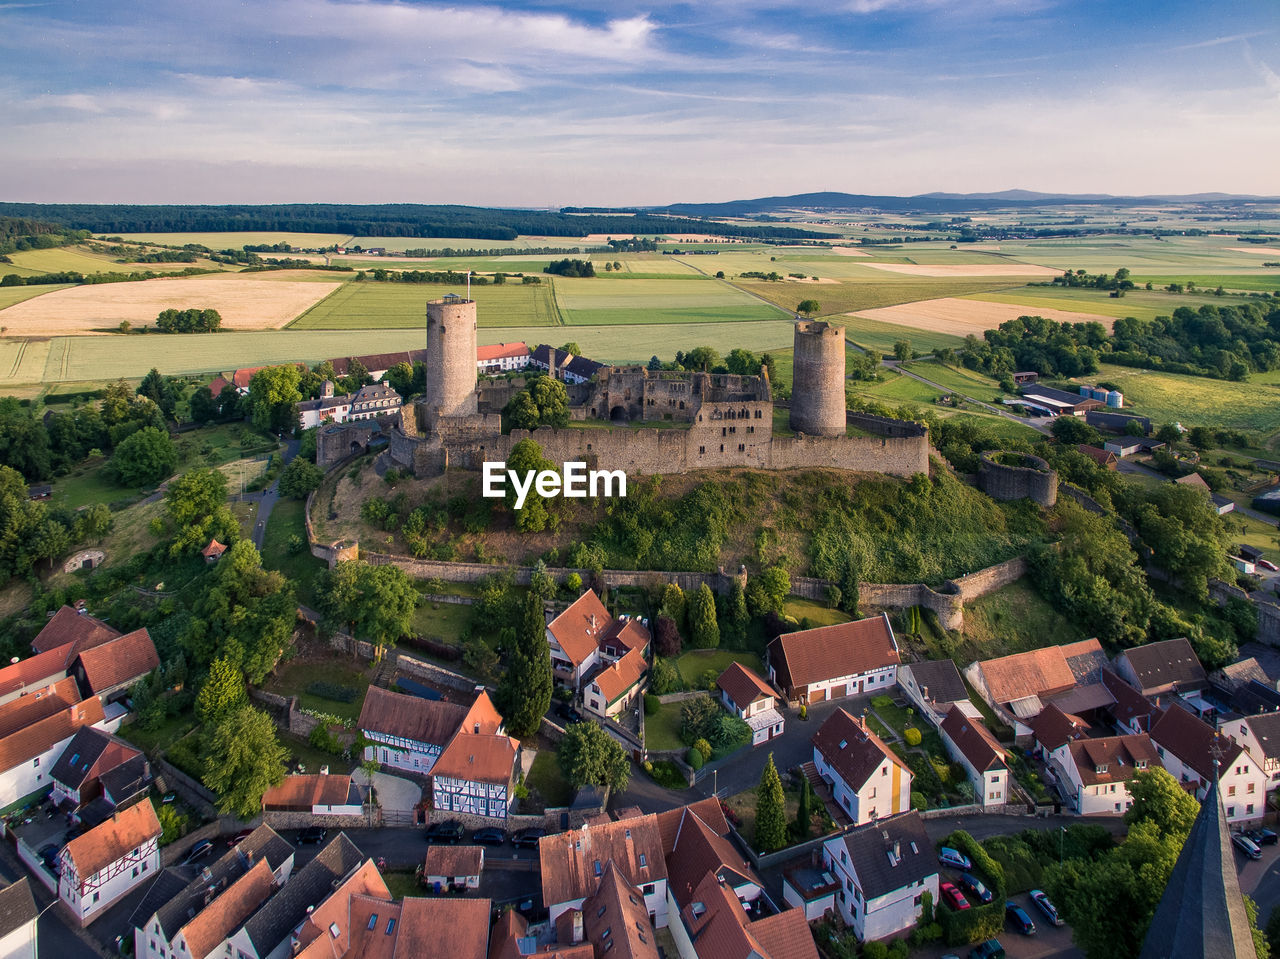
(1100, 768)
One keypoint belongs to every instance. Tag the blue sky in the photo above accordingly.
(549, 103)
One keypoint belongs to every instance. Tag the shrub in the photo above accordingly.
(912, 736)
(694, 758)
(881, 702)
(804, 711)
(667, 774)
(664, 678)
(651, 704)
(703, 747)
(324, 740)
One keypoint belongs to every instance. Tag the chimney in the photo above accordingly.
(577, 934)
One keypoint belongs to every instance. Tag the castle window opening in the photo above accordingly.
(742, 447)
(757, 414)
(702, 451)
(721, 447)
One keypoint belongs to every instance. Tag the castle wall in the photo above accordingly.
(817, 390)
(1033, 480)
(898, 456)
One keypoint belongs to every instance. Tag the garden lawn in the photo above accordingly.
(303, 753)
(818, 614)
(546, 777)
(695, 663)
(443, 621)
(662, 729)
(744, 804)
(288, 519)
(157, 740)
(294, 677)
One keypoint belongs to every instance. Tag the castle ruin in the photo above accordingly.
(716, 420)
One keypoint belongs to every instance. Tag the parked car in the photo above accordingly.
(200, 850)
(1262, 836)
(528, 838)
(447, 832)
(1246, 845)
(1016, 915)
(49, 855)
(169, 797)
(489, 837)
(952, 896)
(991, 949)
(1268, 565)
(971, 884)
(312, 835)
(953, 857)
(568, 712)
(1049, 909)
(239, 837)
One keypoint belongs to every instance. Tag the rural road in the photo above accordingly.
(1033, 424)
(271, 495)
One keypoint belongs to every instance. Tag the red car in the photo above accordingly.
(953, 896)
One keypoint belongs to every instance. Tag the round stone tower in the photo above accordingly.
(817, 388)
(451, 357)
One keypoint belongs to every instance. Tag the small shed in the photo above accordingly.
(213, 552)
(453, 867)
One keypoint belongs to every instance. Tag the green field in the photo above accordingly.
(10, 295)
(1265, 282)
(604, 301)
(956, 378)
(237, 240)
(383, 306)
(880, 337)
(851, 296)
(1195, 400)
(63, 259)
(1136, 303)
(894, 389)
(1140, 254)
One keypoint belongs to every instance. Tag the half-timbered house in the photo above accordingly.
(108, 861)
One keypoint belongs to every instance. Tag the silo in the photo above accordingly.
(451, 357)
(1098, 394)
(1115, 399)
(817, 389)
(1086, 390)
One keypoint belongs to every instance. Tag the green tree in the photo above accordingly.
(536, 514)
(589, 756)
(1071, 430)
(742, 362)
(808, 307)
(804, 814)
(372, 602)
(1158, 798)
(1169, 433)
(673, 605)
(541, 583)
(242, 760)
(572, 348)
(702, 358)
(524, 692)
(300, 478)
(93, 523)
(771, 810)
(544, 402)
(704, 629)
(902, 350)
(273, 396)
(196, 507)
(144, 458)
(223, 692)
(766, 592)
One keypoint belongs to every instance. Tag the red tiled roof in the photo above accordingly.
(42, 735)
(670, 821)
(511, 927)
(35, 672)
(569, 859)
(483, 717)
(240, 378)
(580, 628)
(1117, 756)
(105, 843)
(335, 913)
(1101, 457)
(721, 931)
(1053, 727)
(1192, 740)
(219, 384)
(1130, 706)
(1036, 672)
(453, 861)
(1193, 479)
(41, 703)
(303, 792)
(974, 740)
(497, 351)
(620, 676)
(410, 717)
(222, 917)
(479, 759)
(617, 913)
(68, 626)
(119, 661)
(213, 549)
(457, 928)
(743, 686)
(699, 851)
(852, 750)
(829, 652)
(369, 919)
(785, 935)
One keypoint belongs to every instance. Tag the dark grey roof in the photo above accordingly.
(1255, 697)
(168, 885)
(72, 767)
(1266, 730)
(127, 780)
(17, 907)
(1202, 911)
(1220, 500)
(273, 923)
(942, 679)
(1116, 421)
(581, 366)
(870, 853)
(183, 906)
(1086, 667)
(1036, 389)
(1170, 661)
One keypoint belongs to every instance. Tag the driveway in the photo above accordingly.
(396, 794)
(271, 496)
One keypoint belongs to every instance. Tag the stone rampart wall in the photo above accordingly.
(280, 819)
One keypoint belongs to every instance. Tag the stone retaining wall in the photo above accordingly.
(177, 850)
(281, 819)
(195, 794)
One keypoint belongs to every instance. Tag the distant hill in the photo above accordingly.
(940, 202)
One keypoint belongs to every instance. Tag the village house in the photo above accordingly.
(867, 778)
(178, 923)
(316, 795)
(1103, 457)
(972, 745)
(701, 847)
(84, 771)
(714, 924)
(616, 687)
(476, 775)
(585, 640)
(573, 862)
(1131, 711)
(1018, 686)
(1159, 669)
(449, 868)
(1053, 728)
(502, 358)
(1188, 747)
(751, 699)
(34, 731)
(933, 686)
(884, 869)
(509, 939)
(18, 915)
(407, 732)
(1260, 736)
(110, 860)
(371, 400)
(846, 659)
(104, 662)
(1095, 773)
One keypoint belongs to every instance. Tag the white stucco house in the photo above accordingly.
(868, 780)
(884, 869)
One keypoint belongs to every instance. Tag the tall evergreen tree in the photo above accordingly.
(771, 810)
(703, 627)
(524, 694)
(804, 814)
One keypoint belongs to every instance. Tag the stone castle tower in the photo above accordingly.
(817, 390)
(451, 357)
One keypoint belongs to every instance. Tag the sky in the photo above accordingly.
(548, 103)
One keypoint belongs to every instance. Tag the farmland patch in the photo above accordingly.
(962, 317)
(385, 306)
(965, 269)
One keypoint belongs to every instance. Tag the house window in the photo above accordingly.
(919, 899)
(642, 860)
(1249, 788)
(873, 793)
(1231, 811)
(1249, 809)
(648, 889)
(1231, 790)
